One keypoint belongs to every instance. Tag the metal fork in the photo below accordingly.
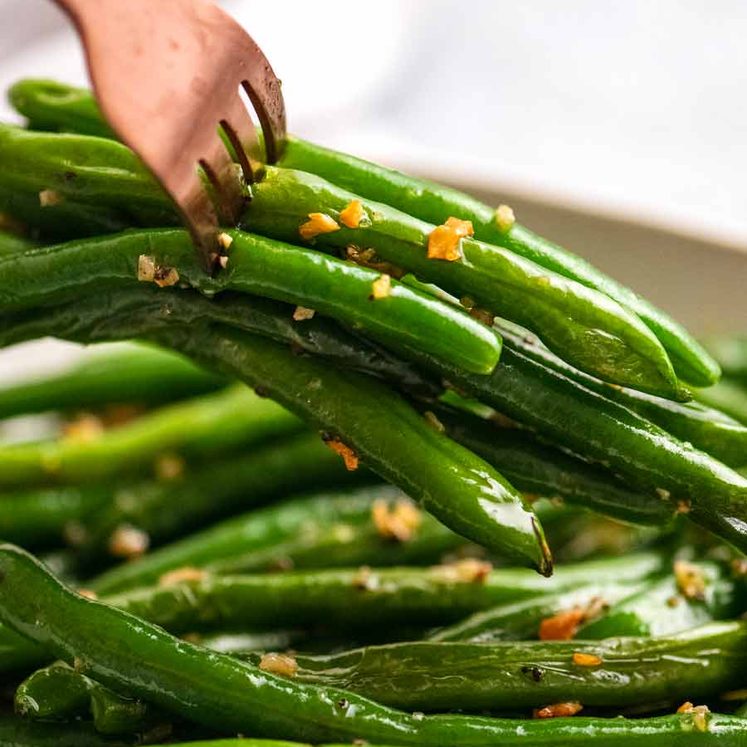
(167, 74)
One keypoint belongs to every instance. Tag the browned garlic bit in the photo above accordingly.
(181, 575)
(398, 522)
(699, 715)
(83, 429)
(50, 198)
(127, 541)
(224, 240)
(432, 420)
(88, 594)
(466, 571)
(558, 710)
(561, 627)
(352, 215)
(302, 314)
(150, 272)
(381, 287)
(318, 223)
(443, 241)
(690, 580)
(364, 579)
(169, 467)
(504, 218)
(280, 664)
(581, 659)
(348, 455)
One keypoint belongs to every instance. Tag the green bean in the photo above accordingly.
(38, 518)
(55, 692)
(404, 319)
(589, 328)
(115, 375)
(731, 353)
(62, 221)
(667, 606)
(596, 428)
(435, 203)
(429, 676)
(164, 510)
(706, 428)
(10, 243)
(323, 530)
(461, 490)
(728, 396)
(89, 318)
(16, 732)
(516, 621)
(124, 652)
(56, 106)
(355, 598)
(586, 327)
(200, 428)
(536, 468)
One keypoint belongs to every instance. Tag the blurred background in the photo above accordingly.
(616, 129)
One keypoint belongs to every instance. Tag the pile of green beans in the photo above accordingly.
(338, 492)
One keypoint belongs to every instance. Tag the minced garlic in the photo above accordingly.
(504, 218)
(84, 429)
(352, 215)
(280, 664)
(302, 314)
(444, 241)
(181, 575)
(318, 223)
(50, 198)
(169, 467)
(225, 240)
(558, 710)
(581, 659)
(690, 579)
(381, 287)
(466, 571)
(398, 522)
(561, 627)
(127, 541)
(348, 455)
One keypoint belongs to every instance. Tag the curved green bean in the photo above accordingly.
(404, 319)
(323, 530)
(435, 203)
(124, 652)
(429, 676)
(16, 732)
(587, 328)
(199, 428)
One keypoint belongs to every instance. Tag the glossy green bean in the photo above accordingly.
(435, 203)
(199, 428)
(543, 470)
(124, 652)
(404, 320)
(516, 621)
(584, 326)
(89, 318)
(429, 676)
(10, 243)
(56, 106)
(568, 414)
(38, 518)
(706, 428)
(165, 510)
(56, 692)
(114, 375)
(382, 429)
(665, 607)
(731, 353)
(324, 530)
(728, 395)
(355, 598)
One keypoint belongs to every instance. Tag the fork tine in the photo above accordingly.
(223, 175)
(267, 100)
(239, 128)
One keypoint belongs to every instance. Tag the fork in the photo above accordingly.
(167, 75)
